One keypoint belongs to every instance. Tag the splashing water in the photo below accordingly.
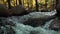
(20, 28)
(25, 29)
(48, 23)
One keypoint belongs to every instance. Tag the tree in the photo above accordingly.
(36, 5)
(16, 2)
(20, 3)
(46, 4)
(9, 5)
(57, 2)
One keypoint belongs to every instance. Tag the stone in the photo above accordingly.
(3, 10)
(35, 22)
(58, 9)
(55, 25)
(17, 10)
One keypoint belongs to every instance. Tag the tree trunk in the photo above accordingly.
(57, 2)
(20, 2)
(46, 4)
(9, 5)
(36, 5)
(28, 3)
(16, 2)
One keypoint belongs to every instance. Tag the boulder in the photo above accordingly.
(58, 9)
(38, 18)
(35, 22)
(55, 25)
(17, 10)
(3, 10)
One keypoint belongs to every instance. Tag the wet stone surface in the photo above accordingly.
(55, 25)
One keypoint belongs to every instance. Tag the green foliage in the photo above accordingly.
(46, 0)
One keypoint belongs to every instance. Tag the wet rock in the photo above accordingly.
(38, 18)
(58, 10)
(44, 11)
(35, 22)
(55, 25)
(3, 10)
(17, 10)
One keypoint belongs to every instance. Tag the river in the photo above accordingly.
(20, 28)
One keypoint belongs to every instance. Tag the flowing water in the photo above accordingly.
(48, 23)
(25, 29)
(20, 28)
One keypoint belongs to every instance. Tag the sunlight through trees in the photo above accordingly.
(29, 3)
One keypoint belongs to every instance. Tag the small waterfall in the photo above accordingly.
(25, 29)
(48, 23)
(20, 28)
